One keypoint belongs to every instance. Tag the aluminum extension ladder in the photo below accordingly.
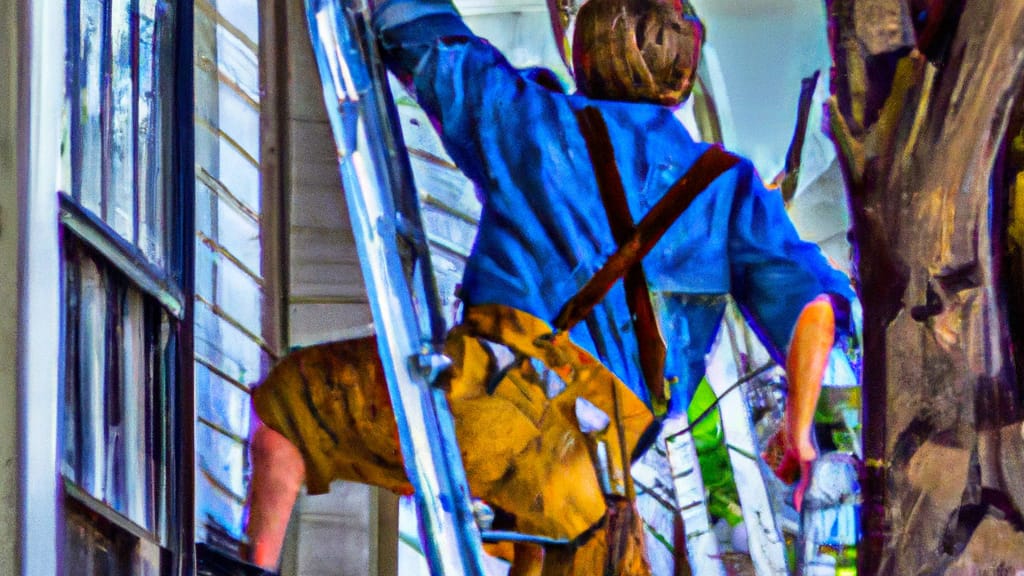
(388, 230)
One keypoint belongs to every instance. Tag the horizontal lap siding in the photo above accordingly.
(232, 351)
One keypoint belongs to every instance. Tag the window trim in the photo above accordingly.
(274, 144)
(87, 502)
(40, 79)
(182, 258)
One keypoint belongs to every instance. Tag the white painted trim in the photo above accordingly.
(273, 140)
(716, 86)
(41, 95)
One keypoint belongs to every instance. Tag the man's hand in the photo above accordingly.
(791, 461)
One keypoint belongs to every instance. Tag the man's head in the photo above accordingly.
(637, 50)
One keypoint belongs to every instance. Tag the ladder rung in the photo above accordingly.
(410, 232)
(492, 536)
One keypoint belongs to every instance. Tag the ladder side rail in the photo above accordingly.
(426, 300)
(450, 540)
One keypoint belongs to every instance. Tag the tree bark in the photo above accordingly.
(922, 96)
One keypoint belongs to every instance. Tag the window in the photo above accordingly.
(163, 278)
(120, 77)
(124, 267)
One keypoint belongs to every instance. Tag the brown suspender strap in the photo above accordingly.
(635, 242)
(609, 183)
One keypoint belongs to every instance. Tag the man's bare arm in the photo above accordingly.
(809, 350)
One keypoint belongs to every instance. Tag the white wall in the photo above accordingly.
(353, 530)
(764, 48)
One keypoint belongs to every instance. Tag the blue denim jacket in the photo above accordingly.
(543, 228)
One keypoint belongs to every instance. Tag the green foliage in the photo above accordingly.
(716, 470)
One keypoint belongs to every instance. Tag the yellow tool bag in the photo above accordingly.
(513, 390)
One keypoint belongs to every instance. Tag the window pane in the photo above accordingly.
(155, 32)
(91, 353)
(238, 233)
(227, 348)
(239, 296)
(205, 269)
(94, 550)
(227, 167)
(236, 63)
(222, 402)
(239, 119)
(235, 292)
(147, 130)
(239, 175)
(241, 14)
(218, 513)
(137, 477)
(120, 209)
(230, 349)
(222, 459)
(163, 348)
(87, 106)
(95, 547)
(233, 229)
(119, 351)
(118, 359)
(119, 126)
(72, 456)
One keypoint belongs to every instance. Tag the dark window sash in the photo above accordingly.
(181, 421)
(98, 541)
(135, 340)
(151, 280)
(84, 500)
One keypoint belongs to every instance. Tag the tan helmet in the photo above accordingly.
(637, 50)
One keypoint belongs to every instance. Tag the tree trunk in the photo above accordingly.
(923, 94)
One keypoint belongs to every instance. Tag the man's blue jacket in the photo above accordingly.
(543, 229)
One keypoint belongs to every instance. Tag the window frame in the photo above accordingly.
(169, 286)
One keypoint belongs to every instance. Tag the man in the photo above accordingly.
(544, 232)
